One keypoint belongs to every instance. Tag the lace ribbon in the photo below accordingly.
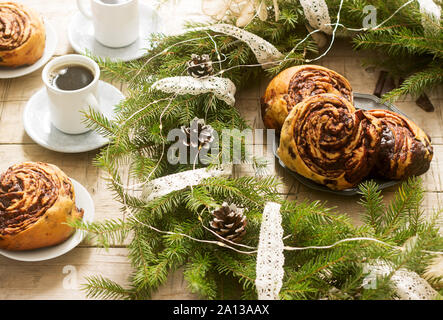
(162, 186)
(223, 88)
(316, 12)
(431, 14)
(408, 284)
(270, 258)
(264, 51)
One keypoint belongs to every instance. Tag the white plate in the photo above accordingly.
(81, 37)
(83, 201)
(50, 46)
(38, 126)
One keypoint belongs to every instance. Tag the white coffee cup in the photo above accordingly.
(66, 106)
(115, 25)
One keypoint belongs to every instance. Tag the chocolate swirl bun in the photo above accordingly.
(293, 85)
(22, 35)
(405, 149)
(36, 200)
(326, 140)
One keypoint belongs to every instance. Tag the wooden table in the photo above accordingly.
(62, 277)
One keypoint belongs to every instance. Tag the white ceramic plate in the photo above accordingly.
(84, 201)
(50, 46)
(38, 126)
(81, 37)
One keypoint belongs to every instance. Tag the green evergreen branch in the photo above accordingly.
(197, 272)
(407, 199)
(372, 201)
(98, 287)
(108, 232)
(417, 83)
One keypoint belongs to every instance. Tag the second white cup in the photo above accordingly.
(116, 22)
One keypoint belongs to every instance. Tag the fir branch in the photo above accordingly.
(417, 83)
(197, 275)
(107, 233)
(98, 287)
(407, 200)
(372, 201)
(99, 123)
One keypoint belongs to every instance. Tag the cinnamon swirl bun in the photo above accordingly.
(293, 85)
(326, 140)
(405, 149)
(22, 35)
(36, 199)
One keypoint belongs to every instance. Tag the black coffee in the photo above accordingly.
(71, 77)
(113, 1)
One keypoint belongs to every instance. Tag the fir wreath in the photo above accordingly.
(216, 272)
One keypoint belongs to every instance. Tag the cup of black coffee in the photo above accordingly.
(72, 86)
(71, 77)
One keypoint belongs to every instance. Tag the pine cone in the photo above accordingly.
(229, 222)
(200, 66)
(198, 135)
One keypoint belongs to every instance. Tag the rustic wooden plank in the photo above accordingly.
(432, 179)
(63, 277)
(336, 63)
(22, 88)
(249, 110)
(11, 123)
(361, 80)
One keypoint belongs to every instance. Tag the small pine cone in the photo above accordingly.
(200, 66)
(229, 222)
(198, 135)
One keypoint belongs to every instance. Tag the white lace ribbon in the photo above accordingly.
(223, 88)
(317, 14)
(431, 14)
(264, 51)
(270, 258)
(408, 284)
(162, 186)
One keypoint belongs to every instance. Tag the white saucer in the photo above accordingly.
(83, 201)
(38, 126)
(81, 37)
(50, 46)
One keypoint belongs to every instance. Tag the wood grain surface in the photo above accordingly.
(62, 277)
